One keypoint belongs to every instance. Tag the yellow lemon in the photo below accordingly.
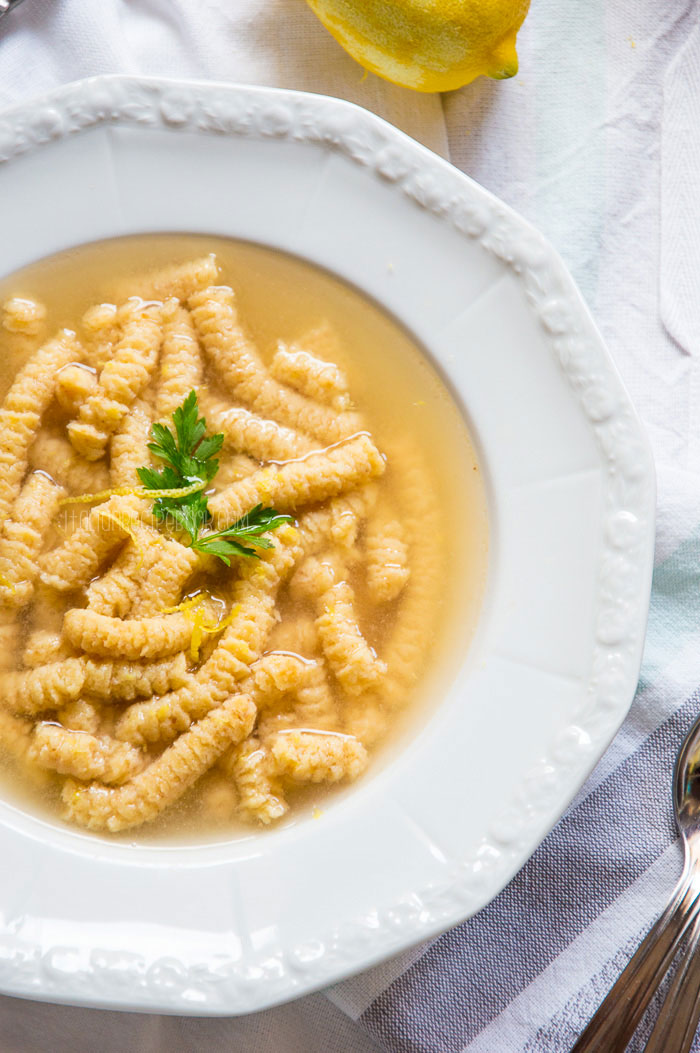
(429, 45)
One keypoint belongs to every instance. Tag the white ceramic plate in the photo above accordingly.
(437, 833)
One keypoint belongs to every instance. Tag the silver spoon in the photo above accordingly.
(678, 1020)
(617, 1018)
(7, 5)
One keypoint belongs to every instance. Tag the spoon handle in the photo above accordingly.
(678, 1020)
(7, 5)
(617, 1017)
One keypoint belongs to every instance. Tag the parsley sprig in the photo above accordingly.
(189, 457)
(249, 528)
(188, 454)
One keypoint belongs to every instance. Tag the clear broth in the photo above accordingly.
(392, 382)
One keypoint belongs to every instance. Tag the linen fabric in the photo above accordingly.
(597, 141)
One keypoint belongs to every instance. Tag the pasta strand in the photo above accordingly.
(137, 638)
(23, 408)
(98, 807)
(311, 756)
(242, 371)
(84, 756)
(123, 378)
(52, 453)
(180, 361)
(311, 376)
(265, 440)
(23, 538)
(307, 481)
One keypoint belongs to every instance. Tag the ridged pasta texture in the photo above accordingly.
(74, 383)
(165, 780)
(128, 445)
(143, 664)
(240, 645)
(79, 558)
(25, 404)
(387, 559)
(134, 638)
(260, 438)
(52, 453)
(101, 328)
(180, 361)
(260, 797)
(44, 646)
(122, 379)
(243, 374)
(23, 538)
(313, 377)
(114, 680)
(80, 715)
(315, 704)
(164, 579)
(84, 756)
(23, 315)
(310, 756)
(310, 480)
(350, 657)
(47, 687)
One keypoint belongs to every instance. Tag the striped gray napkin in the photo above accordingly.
(553, 942)
(594, 148)
(582, 143)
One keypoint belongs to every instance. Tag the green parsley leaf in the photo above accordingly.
(248, 529)
(165, 479)
(188, 456)
(224, 549)
(209, 445)
(190, 515)
(188, 451)
(258, 521)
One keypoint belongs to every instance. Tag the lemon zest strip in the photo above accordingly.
(192, 610)
(133, 491)
(126, 524)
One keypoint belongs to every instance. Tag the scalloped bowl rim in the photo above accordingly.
(336, 152)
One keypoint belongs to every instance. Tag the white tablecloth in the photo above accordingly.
(597, 141)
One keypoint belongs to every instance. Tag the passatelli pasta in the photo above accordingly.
(142, 673)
